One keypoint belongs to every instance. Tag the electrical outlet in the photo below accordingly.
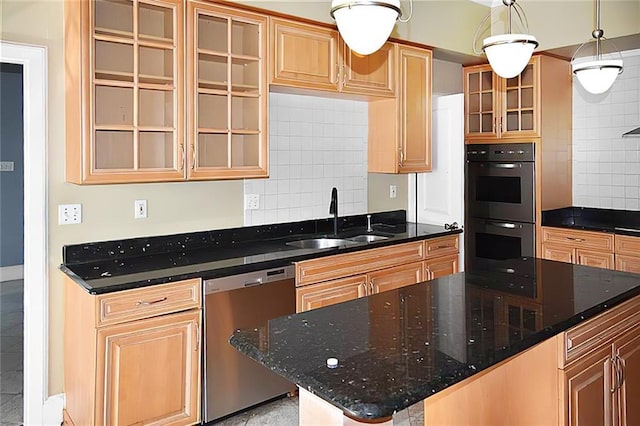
(69, 214)
(140, 207)
(393, 191)
(251, 201)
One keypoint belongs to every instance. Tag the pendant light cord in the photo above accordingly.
(405, 20)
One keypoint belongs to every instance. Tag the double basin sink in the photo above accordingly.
(328, 242)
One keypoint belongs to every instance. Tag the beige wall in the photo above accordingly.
(182, 207)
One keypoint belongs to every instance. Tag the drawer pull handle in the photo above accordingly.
(150, 302)
(438, 247)
(577, 240)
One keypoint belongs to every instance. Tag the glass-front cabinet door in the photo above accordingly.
(132, 82)
(227, 109)
(520, 103)
(481, 102)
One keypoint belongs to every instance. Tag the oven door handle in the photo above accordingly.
(504, 225)
(505, 165)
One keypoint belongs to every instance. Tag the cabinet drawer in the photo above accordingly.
(580, 239)
(441, 246)
(585, 337)
(147, 302)
(627, 245)
(343, 265)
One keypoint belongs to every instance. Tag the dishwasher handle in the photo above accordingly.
(249, 279)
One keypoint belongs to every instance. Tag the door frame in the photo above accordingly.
(36, 279)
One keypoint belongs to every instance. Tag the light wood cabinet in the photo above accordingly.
(627, 251)
(124, 91)
(133, 357)
(520, 107)
(333, 279)
(307, 56)
(228, 92)
(127, 116)
(578, 247)
(627, 355)
(400, 128)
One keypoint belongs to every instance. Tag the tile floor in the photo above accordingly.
(284, 412)
(11, 352)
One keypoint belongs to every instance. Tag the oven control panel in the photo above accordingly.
(501, 152)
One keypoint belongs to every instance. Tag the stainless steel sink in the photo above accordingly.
(368, 238)
(320, 243)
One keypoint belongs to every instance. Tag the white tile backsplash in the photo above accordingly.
(315, 144)
(606, 167)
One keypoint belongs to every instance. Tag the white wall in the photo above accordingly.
(314, 144)
(606, 167)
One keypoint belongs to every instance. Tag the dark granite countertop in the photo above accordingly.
(626, 222)
(399, 347)
(108, 266)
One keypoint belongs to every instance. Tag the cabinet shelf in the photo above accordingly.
(114, 127)
(155, 79)
(108, 34)
(214, 53)
(213, 87)
(113, 78)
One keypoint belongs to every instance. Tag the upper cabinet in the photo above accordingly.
(227, 93)
(515, 108)
(313, 57)
(124, 91)
(400, 128)
(126, 119)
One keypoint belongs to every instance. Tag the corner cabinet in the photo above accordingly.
(126, 119)
(133, 357)
(400, 128)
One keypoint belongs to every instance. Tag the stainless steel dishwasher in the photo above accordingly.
(232, 381)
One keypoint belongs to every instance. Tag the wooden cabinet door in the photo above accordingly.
(594, 258)
(303, 55)
(588, 385)
(373, 74)
(330, 292)
(125, 91)
(415, 110)
(228, 93)
(628, 354)
(151, 371)
(628, 263)
(441, 266)
(480, 102)
(519, 103)
(557, 252)
(396, 277)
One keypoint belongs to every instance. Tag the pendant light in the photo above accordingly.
(597, 73)
(508, 53)
(365, 25)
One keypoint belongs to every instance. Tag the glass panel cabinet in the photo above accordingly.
(126, 115)
(229, 93)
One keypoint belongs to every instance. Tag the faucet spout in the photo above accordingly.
(333, 209)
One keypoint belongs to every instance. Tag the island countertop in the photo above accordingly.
(399, 347)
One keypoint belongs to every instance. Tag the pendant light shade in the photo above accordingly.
(508, 53)
(365, 25)
(598, 72)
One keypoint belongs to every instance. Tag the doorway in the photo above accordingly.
(38, 408)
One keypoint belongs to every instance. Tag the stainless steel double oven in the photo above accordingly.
(500, 205)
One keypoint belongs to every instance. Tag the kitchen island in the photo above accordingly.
(477, 347)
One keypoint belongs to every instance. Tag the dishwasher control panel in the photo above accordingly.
(249, 279)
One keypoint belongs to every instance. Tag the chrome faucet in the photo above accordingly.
(333, 209)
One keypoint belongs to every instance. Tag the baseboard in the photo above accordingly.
(10, 273)
(52, 410)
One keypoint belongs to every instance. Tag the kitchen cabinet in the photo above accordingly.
(124, 91)
(228, 92)
(126, 115)
(600, 362)
(524, 106)
(121, 348)
(578, 247)
(627, 252)
(307, 56)
(333, 279)
(402, 144)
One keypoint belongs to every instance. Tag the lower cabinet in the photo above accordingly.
(334, 279)
(578, 247)
(627, 250)
(133, 357)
